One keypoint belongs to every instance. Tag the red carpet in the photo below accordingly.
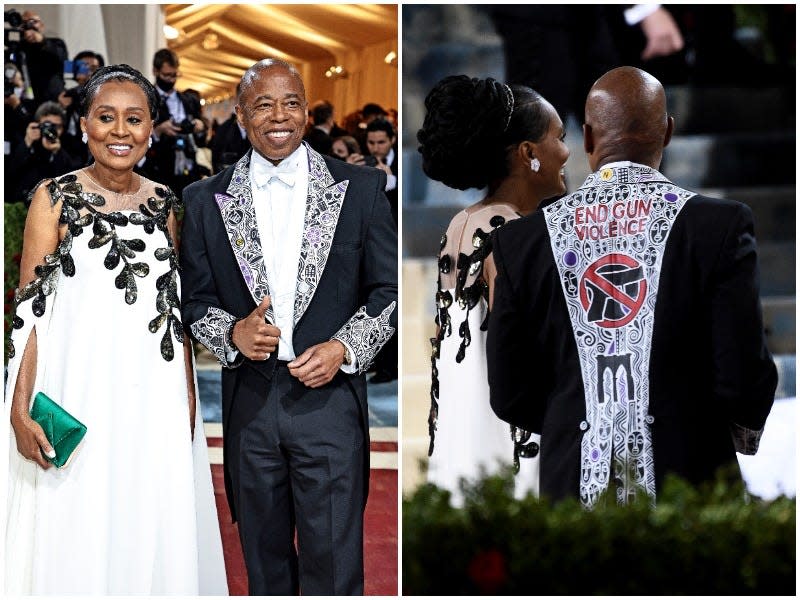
(380, 535)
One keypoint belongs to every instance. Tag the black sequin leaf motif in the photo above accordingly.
(442, 242)
(522, 448)
(127, 280)
(433, 415)
(466, 340)
(444, 264)
(68, 179)
(155, 213)
(167, 300)
(496, 221)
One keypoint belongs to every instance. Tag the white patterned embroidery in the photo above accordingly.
(325, 197)
(366, 335)
(239, 218)
(212, 332)
(608, 242)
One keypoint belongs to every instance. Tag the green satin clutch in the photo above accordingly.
(63, 431)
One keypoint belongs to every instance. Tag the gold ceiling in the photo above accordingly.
(218, 42)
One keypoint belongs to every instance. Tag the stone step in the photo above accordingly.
(787, 374)
(780, 323)
(774, 208)
(730, 109)
(731, 160)
(777, 265)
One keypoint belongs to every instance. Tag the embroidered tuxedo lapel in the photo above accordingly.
(324, 203)
(239, 217)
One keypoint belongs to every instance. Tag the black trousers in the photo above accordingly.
(299, 471)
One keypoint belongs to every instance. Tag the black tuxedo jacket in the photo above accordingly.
(228, 145)
(346, 285)
(707, 379)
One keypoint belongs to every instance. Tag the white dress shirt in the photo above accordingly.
(391, 178)
(280, 210)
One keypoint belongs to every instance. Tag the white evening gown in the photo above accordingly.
(133, 513)
(470, 440)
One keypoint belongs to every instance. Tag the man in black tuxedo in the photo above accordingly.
(178, 131)
(229, 143)
(289, 267)
(626, 326)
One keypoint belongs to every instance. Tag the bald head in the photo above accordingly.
(626, 119)
(259, 69)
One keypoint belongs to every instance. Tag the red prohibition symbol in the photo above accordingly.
(612, 290)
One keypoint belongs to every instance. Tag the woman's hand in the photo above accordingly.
(31, 440)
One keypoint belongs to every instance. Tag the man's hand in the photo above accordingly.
(318, 364)
(662, 33)
(64, 100)
(253, 336)
(355, 159)
(32, 133)
(383, 167)
(33, 37)
(167, 128)
(53, 147)
(13, 101)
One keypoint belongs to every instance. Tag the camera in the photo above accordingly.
(370, 161)
(12, 17)
(13, 33)
(186, 126)
(49, 130)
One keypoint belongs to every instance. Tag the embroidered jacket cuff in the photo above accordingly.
(212, 332)
(745, 440)
(365, 336)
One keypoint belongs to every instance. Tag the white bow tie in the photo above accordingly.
(263, 173)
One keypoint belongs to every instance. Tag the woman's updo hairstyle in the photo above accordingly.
(118, 73)
(469, 126)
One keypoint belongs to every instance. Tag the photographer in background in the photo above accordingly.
(40, 155)
(178, 130)
(83, 65)
(18, 112)
(42, 56)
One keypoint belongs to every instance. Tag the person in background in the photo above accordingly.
(41, 154)
(344, 146)
(229, 143)
(84, 65)
(44, 58)
(324, 128)
(178, 131)
(17, 113)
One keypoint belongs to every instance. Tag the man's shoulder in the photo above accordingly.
(195, 192)
(714, 211)
(356, 174)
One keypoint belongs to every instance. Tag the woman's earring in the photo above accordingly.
(535, 164)
(149, 142)
(85, 137)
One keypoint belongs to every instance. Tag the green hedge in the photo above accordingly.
(714, 540)
(13, 229)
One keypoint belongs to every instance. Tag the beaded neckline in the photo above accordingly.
(105, 189)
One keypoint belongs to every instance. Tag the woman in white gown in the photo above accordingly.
(480, 133)
(97, 328)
